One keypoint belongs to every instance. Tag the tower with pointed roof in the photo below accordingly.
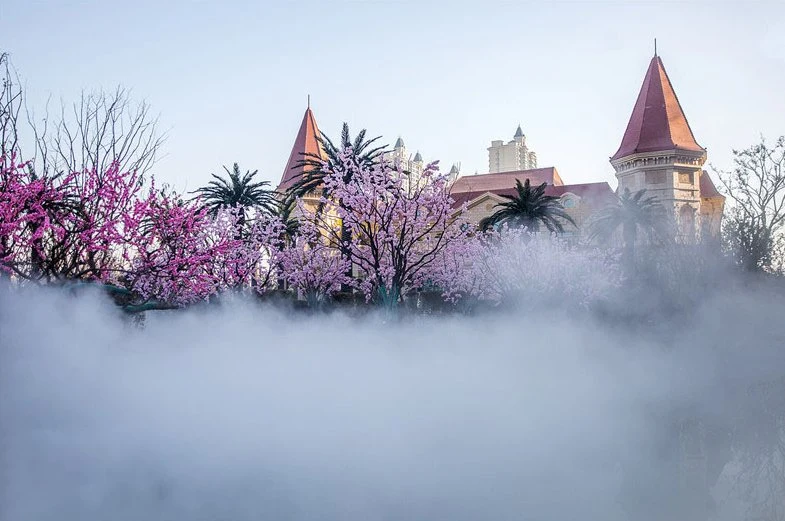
(513, 156)
(306, 145)
(659, 153)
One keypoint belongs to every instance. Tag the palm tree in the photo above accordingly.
(238, 191)
(529, 208)
(285, 211)
(363, 154)
(632, 212)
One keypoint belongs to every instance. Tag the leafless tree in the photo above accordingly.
(100, 129)
(10, 107)
(756, 187)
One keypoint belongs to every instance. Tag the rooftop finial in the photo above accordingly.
(309, 97)
(655, 47)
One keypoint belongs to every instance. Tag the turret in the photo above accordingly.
(659, 153)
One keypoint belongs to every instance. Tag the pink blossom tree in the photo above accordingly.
(514, 265)
(311, 266)
(396, 231)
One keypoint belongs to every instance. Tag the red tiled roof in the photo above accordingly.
(305, 143)
(504, 180)
(465, 197)
(707, 187)
(657, 121)
(595, 193)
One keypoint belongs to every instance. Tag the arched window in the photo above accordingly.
(687, 222)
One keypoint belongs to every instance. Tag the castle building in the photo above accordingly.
(412, 166)
(512, 162)
(659, 153)
(513, 156)
(401, 158)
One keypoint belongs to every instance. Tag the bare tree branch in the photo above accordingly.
(100, 129)
(756, 187)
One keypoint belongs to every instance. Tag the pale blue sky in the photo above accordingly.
(230, 78)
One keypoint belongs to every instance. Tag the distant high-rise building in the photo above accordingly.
(511, 157)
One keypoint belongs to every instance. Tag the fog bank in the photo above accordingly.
(242, 412)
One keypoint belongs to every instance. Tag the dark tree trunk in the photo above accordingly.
(36, 260)
(344, 249)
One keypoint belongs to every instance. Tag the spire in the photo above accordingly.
(657, 122)
(519, 132)
(305, 144)
(399, 143)
(418, 157)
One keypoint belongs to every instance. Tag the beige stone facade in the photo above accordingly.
(579, 208)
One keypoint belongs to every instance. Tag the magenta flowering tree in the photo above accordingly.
(396, 231)
(311, 266)
(180, 254)
(101, 226)
(31, 213)
(98, 204)
(172, 249)
(70, 226)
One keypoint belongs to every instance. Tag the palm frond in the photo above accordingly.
(237, 190)
(631, 210)
(529, 207)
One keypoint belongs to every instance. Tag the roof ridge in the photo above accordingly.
(660, 71)
(678, 102)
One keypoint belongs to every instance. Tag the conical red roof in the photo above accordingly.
(305, 146)
(657, 121)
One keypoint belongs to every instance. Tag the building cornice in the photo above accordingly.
(659, 158)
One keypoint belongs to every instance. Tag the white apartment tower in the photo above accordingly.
(511, 157)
